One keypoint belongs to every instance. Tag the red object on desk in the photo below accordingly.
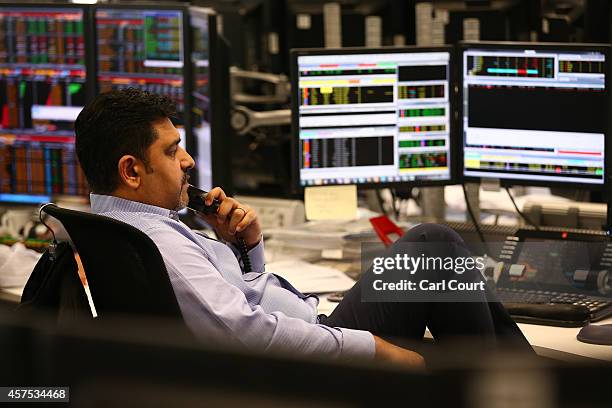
(384, 227)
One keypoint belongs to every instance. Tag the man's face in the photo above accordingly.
(164, 184)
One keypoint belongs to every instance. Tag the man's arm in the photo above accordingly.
(386, 351)
(233, 219)
(213, 307)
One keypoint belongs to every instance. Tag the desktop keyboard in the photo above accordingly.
(599, 308)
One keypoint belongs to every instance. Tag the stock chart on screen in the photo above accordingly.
(534, 114)
(42, 90)
(141, 48)
(371, 118)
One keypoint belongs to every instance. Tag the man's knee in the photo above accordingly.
(431, 233)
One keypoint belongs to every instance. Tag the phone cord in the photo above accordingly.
(244, 255)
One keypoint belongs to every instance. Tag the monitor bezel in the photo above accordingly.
(295, 162)
(90, 77)
(219, 110)
(192, 145)
(514, 45)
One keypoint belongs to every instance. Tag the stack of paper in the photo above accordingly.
(309, 278)
(334, 239)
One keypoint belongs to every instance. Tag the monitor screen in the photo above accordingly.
(534, 114)
(372, 117)
(43, 88)
(142, 48)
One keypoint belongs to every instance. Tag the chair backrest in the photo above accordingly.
(54, 287)
(125, 271)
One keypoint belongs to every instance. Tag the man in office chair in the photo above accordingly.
(138, 173)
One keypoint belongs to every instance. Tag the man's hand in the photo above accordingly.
(386, 351)
(233, 219)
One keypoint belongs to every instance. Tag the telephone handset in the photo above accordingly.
(197, 203)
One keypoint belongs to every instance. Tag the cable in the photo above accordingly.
(473, 218)
(197, 204)
(381, 202)
(244, 255)
(242, 250)
(523, 216)
(396, 211)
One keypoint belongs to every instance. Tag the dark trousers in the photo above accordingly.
(482, 323)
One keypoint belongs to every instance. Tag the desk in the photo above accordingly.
(559, 343)
(548, 341)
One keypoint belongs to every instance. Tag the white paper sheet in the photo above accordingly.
(309, 278)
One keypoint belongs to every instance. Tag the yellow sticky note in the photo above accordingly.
(331, 202)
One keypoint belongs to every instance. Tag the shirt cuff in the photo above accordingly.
(256, 255)
(357, 343)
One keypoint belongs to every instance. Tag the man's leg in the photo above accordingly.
(447, 321)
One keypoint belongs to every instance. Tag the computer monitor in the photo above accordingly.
(145, 46)
(173, 50)
(43, 87)
(372, 117)
(535, 114)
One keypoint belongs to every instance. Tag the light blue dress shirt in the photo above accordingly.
(259, 310)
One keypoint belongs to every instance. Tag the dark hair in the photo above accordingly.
(114, 124)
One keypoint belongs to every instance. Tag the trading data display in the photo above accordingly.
(141, 48)
(374, 118)
(534, 115)
(42, 90)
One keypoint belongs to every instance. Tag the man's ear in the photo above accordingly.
(130, 171)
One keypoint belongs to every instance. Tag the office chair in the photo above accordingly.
(125, 270)
(54, 287)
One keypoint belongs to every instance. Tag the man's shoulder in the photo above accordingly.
(169, 235)
(146, 222)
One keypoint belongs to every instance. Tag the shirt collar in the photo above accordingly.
(106, 203)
